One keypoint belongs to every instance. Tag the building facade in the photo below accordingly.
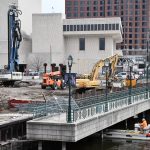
(87, 40)
(134, 15)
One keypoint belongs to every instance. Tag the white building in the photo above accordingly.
(87, 40)
(28, 7)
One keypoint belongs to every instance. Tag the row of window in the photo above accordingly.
(130, 24)
(82, 44)
(91, 27)
(101, 8)
(134, 47)
(96, 2)
(144, 30)
(135, 35)
(115, 13)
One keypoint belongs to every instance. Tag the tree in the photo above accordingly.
(36, 63)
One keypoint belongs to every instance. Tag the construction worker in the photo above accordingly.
(143, 125)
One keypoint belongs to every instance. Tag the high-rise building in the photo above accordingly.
(134, 16)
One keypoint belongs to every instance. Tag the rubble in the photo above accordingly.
(27, 93)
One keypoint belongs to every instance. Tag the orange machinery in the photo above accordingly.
(53, 79)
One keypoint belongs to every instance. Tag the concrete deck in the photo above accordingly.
(10, 118)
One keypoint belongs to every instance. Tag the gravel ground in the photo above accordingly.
(27, 93)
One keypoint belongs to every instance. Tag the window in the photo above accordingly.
(102, 26)
(75, 3)
(85, 29)
(75, 28)
(78, 28)
(71, 27)
(81, 43)
(95, 14)
(95, 26)
(88, 14)
(117, 26)
(81, 14)
(81, 27)
(92, 27)
(99, 26)
(95, 8)
(88, 8)
(113, 26)
(95, 2)
(101, 43)
(64, 27)
(101, 13)
(130, 35)
(75, 14)
(106, 26)
(89, 27)
(68, 14)
(68, 3)
(67, 27)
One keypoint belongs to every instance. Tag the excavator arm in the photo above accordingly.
(99, 65)
(95, 76)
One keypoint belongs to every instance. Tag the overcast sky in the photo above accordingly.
(54, 6)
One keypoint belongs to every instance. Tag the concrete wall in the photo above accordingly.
(25, 50)
(48, 37)
(50, 129)
(4, 6)
(28, 7)
(85, 60)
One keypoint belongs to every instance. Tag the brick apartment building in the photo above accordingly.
(134, 16)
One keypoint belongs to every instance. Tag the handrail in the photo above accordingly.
(90, 110)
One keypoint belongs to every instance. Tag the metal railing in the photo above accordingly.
(115, 101)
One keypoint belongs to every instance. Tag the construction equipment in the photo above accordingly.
(53, 79)
(97, 75)
(11, 75)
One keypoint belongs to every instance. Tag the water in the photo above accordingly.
(110, 144)
(96, 143)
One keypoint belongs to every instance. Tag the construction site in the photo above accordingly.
(48, 87)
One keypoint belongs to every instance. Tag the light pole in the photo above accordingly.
(130, 78)
(70, 61)
(106, 65)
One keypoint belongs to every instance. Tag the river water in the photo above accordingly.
(110, 144)
(95, 143)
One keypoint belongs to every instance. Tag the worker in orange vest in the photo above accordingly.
(143, 125)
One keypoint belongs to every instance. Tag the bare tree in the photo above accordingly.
(36, 63)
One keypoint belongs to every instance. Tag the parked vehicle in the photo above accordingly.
(124, 75)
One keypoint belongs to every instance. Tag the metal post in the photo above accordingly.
(70, 61)
(69, 106)
(147, 81)
(45, 103)
(130, 87)
(106, 65)
(147, 67)
(106, 105)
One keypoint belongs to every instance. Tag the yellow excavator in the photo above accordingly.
(95, 78)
